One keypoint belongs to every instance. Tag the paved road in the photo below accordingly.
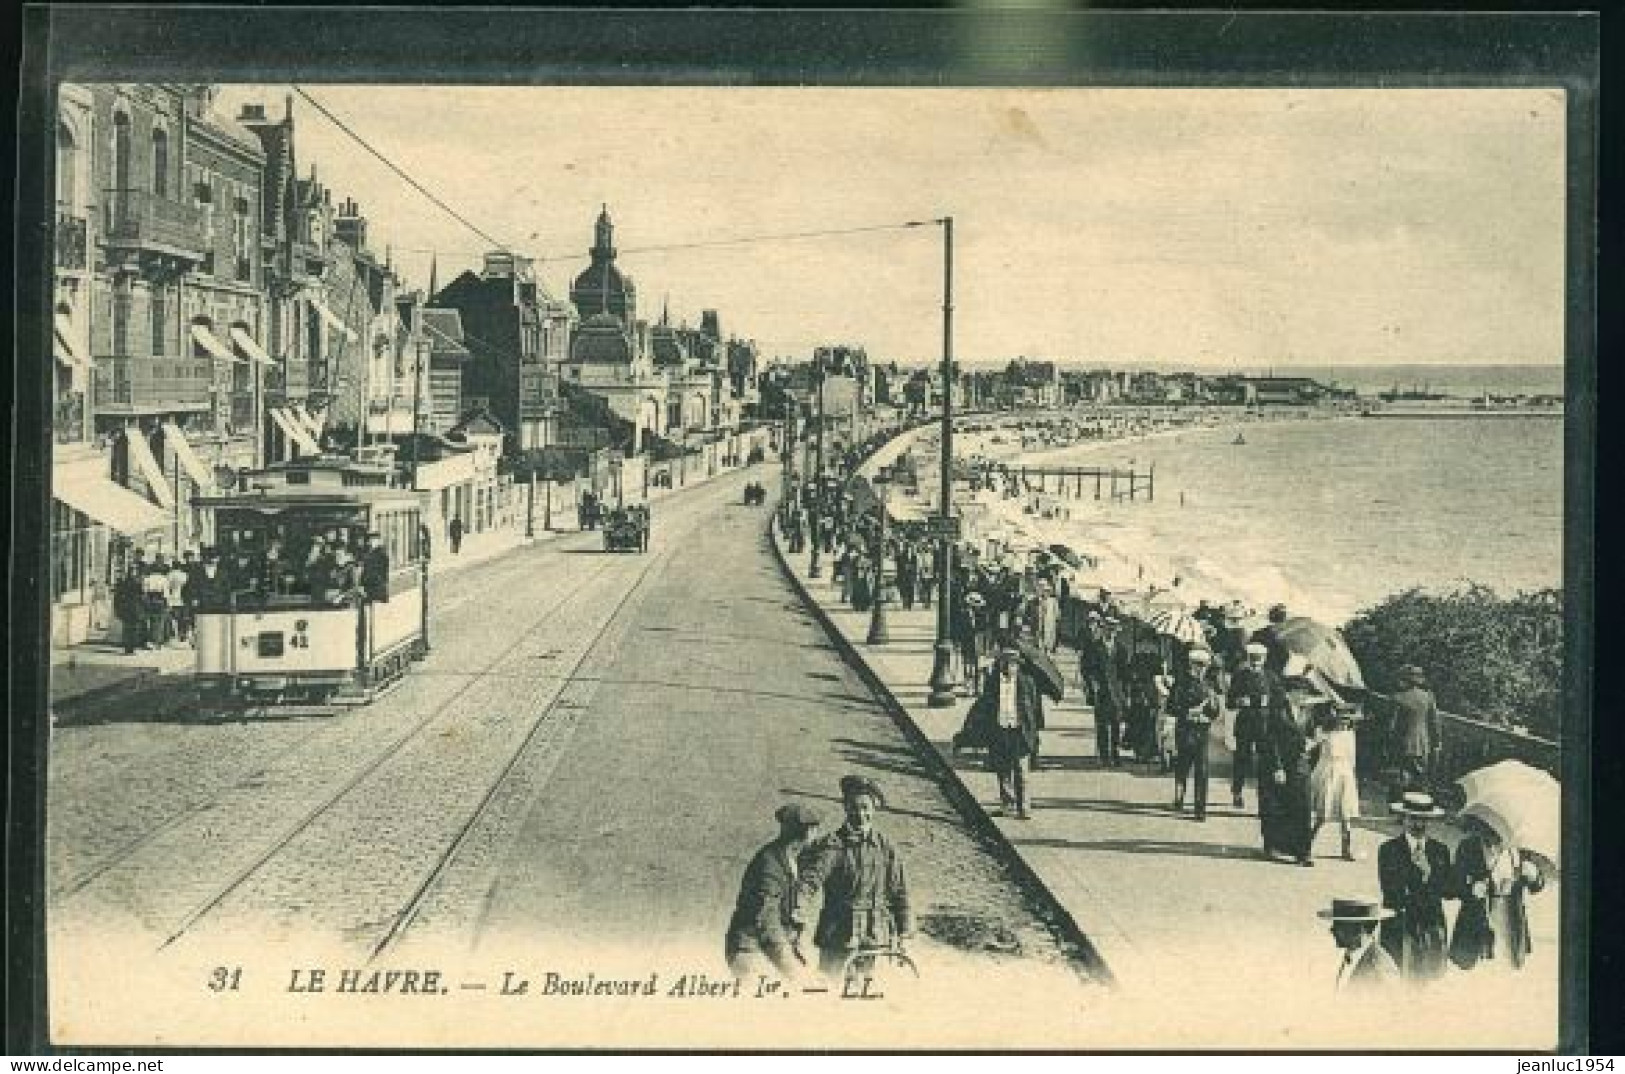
(572, 782)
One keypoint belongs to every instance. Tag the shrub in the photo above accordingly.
(1493, 658)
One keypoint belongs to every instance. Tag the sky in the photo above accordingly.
(1206, 228)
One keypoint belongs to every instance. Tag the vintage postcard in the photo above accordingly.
(993, 548)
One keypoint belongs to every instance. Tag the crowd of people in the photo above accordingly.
(157, 601)
(1162, 703)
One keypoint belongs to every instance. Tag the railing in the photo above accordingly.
(141, 218)
(132, 384)
(71, 252)
(1470, 744)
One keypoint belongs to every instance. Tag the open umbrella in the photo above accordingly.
(1069, 557)
(1323, 647)
(1523, 805)
(1050, 679)
(1176, 623)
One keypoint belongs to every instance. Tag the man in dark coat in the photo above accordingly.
(1253, 690)
(1269, 637)
(375, 568)
(455, 531)
(1417, 726)
(1366, 971)
(1106, 690)
(1006, 718)
(859, 874)
(209, 589)
(763, 926)
(129, 605)
(1195, 703)
(1416, 878)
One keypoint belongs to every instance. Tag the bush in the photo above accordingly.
(1485, 656)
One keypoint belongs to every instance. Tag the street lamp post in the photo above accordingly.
(942, 685)
(879, 634)
(814, 570)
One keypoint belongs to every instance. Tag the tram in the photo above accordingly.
(320, 595)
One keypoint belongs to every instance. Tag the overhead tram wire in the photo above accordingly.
(744, 240)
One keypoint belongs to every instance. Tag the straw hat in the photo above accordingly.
(1362, 910)
(1417, 804)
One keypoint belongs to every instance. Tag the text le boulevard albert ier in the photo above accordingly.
(317, 980)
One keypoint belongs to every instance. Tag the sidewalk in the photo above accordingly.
(1189, 917)
(95, 668)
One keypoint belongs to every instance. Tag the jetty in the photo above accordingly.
(1113, 483)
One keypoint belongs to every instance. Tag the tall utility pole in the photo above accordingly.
(942, 684)
(816, 528)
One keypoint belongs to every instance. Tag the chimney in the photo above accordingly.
(350, 226)
(499, 263)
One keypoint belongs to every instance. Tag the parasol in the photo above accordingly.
(1523, 805)
(1070, 558)
(1177, 624)
(1323, 647)
(1050, 679)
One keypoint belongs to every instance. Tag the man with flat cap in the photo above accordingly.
(859, 874)
(764, 929)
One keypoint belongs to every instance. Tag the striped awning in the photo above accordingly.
(332, 319)
(151, 472)
(187, 457)
(108, 503)
(303, 443)
(66, 352)
(250, 346)
(211, 343)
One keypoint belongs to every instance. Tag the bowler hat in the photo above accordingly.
(1416, 804)
(796, 815)
(1355, 910)
(852, 786)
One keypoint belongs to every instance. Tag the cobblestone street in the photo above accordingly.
(577, 774)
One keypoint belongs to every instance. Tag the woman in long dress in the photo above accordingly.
(1334, 790)
(1493, 878)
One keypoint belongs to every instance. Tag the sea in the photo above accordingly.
(1332, 516)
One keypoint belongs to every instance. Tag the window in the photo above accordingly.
(67, 169)
(203, 192)
(160, 163)
(160, 320)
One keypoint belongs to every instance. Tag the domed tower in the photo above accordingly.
(602, 288)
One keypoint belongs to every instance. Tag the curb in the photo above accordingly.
(982, 826)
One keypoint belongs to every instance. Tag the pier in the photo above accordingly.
(1112, 483)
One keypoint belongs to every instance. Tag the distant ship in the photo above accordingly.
(1425, 404)
(1411, 395)
(1239, 440)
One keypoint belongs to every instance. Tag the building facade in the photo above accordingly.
(517, 336)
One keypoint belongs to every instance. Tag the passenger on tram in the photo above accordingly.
(344, 578)
(210, 588)
(375, 568)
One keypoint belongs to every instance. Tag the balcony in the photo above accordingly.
(140, 220)
(70, 242)
(132, 385)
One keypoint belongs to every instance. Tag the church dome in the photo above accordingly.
(601, 287)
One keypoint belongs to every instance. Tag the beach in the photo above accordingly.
(1329, 515)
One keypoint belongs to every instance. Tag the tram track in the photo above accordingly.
(318, 735)
(363, 773)
(380, 909)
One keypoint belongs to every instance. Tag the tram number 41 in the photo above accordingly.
(224, 979)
